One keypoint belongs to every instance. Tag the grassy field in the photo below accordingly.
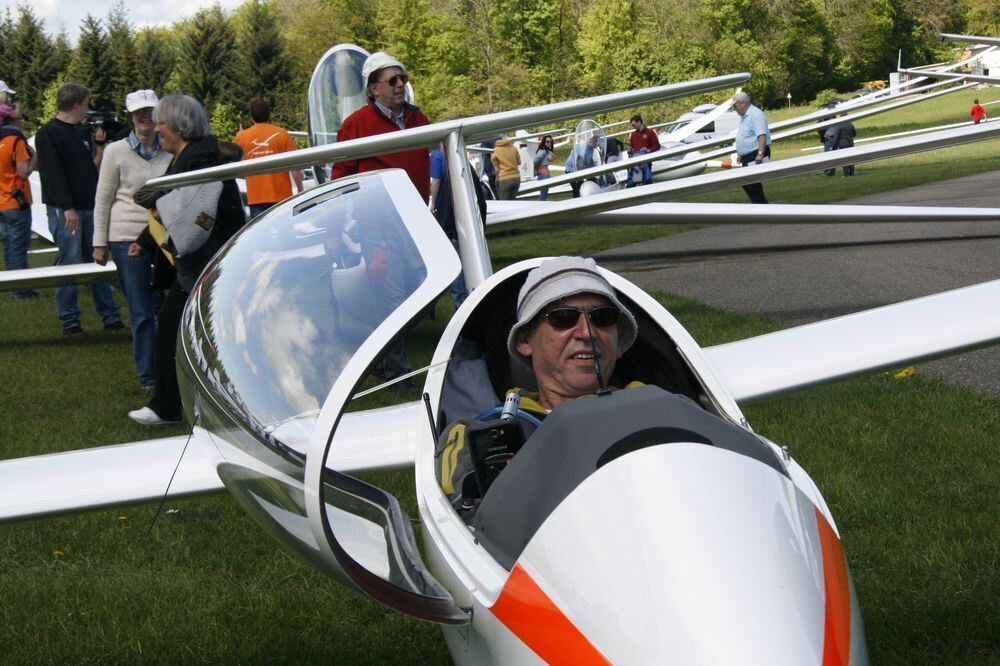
(908, 467)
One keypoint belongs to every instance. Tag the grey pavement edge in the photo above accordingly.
(804, 273)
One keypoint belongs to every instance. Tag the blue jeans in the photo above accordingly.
(134, 274)
(77, 247)
(259, 209)
(459, 292)
(15, 229)
(543, 195)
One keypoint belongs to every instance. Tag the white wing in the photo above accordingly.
(89, 479)
(886, 337)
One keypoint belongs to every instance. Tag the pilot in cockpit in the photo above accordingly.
(571, 329)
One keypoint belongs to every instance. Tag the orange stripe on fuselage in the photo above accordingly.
(837, 626)
(529, 613)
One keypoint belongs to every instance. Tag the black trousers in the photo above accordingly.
(755, 190)
(166, 400)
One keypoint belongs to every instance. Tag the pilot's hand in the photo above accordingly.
(135, 250)
(101, 255)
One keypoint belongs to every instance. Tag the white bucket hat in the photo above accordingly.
(4, 88)
(375, 62)
(559, 278)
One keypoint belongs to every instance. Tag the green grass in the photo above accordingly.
(907, 466)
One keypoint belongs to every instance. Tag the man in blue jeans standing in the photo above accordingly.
(67, 164)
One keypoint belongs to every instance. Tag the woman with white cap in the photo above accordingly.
(118, 221)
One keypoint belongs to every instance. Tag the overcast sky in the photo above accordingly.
(68, 14)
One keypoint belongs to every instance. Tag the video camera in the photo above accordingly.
(110, 122)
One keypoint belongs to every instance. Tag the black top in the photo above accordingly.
(614, 146)
(66, 165)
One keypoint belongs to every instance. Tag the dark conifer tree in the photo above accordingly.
(30, 67)
(90, 65)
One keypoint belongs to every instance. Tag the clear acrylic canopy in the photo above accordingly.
(280, 331)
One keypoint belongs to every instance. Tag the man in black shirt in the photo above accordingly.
(67, 166)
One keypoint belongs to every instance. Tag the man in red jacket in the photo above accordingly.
(642, 140)
(386, 111)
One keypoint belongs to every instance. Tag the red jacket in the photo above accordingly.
(369, 121)
(977, 112)
(644, 139)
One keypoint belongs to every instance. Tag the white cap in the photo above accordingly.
(375, 62)
(140, 99)
(4, 88)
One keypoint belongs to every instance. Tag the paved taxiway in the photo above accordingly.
(802, 273)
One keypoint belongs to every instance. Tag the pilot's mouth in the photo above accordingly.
(583, 356)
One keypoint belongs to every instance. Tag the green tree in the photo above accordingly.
(265, 69)
(122, 60)
(802, 47)
(6, 32)
(982, 17)
(206, 59)
(225, 121)
(154, 59)
(62, 54)
(90, 64)
(29, 65)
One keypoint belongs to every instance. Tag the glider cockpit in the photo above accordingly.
(291, 317)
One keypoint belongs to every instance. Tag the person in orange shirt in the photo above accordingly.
(261, 139)
(17, 160)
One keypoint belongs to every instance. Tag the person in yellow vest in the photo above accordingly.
(260, 140)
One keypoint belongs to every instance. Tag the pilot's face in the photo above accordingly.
(563, 360)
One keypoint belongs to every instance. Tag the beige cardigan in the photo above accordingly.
(116, 216)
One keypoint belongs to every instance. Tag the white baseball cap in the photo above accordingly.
(375, 62)
(4, 88)
(140, 99)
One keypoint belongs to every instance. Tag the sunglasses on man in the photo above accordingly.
(396, 80)
(565, 317)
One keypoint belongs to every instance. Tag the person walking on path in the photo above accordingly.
(753, 141)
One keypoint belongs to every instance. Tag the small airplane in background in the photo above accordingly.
(658, 486)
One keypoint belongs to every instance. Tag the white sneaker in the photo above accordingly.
(148, 417)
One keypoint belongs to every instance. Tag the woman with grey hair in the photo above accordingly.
(185, 133)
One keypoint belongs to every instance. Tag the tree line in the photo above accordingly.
(476, 56)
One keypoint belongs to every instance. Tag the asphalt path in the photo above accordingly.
(803, 273)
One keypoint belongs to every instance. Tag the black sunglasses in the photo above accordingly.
(566, 317)
(396, 80)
